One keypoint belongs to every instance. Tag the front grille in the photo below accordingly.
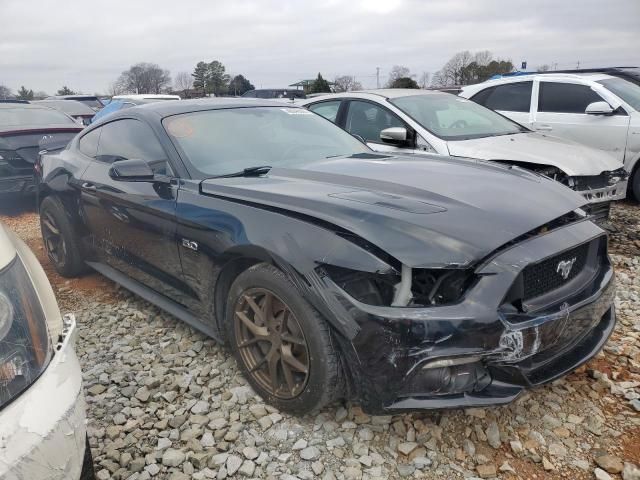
(546, 276)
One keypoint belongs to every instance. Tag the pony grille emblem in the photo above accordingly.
(564, 267)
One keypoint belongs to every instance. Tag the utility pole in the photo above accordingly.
(377, 77)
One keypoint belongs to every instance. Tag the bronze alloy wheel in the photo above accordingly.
(53, 239)
(271, 343)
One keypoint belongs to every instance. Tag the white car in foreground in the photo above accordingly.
(42, 408)
(595, 109)
(423, 121)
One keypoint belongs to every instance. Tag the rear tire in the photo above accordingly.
(281, 343)
(60, 241)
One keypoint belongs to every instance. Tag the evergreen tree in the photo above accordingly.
(239, 85)
(404, 82)
(24, 94)
(218, 79)
(65, 91)
(200, 80)
(320, 85)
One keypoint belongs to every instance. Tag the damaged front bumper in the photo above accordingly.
(43, 431)
(482, 350)
(600, 191)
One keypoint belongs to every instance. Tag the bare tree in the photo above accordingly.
(398, 71)
(483, 57)
(544, 68)
(346, 83)
(144, 78)
(5, 92)
(40, 95)
(451, 73)
(465, 68)
(183, 81)
(115, 88)
(424, 80)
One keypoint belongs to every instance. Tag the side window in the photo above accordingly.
(328, 110)
(88, 143)
(368, 120)
(510, 97)
(565, 97)
(128, 139)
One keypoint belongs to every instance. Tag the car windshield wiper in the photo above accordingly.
(247, 172)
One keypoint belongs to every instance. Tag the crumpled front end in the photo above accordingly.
(43, 430)
(534, 311)
(599, 191)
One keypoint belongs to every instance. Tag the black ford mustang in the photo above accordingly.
(329, 270)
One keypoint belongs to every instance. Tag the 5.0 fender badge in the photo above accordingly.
(190, 244)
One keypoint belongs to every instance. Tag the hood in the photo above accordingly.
(427, 211)
(570, 157)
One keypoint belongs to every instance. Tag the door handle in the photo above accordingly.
(89, 187)
(546, 128)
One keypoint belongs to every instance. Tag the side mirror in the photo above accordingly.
(599, 108)
(133, 170)
(394, 135)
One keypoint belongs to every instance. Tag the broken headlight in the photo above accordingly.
(25, 348)
(428, 287)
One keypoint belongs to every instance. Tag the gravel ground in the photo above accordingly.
(166, 402)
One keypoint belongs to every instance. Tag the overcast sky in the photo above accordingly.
(86, 44)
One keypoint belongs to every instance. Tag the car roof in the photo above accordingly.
(377, 93)
(166, 109)
(72, 107)
(594, 76)
(22, 105)
(144, 96)
(7, 106)
(72, 97)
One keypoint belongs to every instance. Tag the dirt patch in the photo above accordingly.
(70, 292)
(631, 445)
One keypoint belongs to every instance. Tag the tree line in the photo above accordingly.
(212, 78)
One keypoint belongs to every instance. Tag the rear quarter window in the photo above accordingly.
(510, 97)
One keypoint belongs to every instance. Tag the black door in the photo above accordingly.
(133, 224)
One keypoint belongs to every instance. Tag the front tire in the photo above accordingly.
(634, 184)
(60, 241)
(282, 345)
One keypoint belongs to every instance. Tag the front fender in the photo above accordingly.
(224, 230)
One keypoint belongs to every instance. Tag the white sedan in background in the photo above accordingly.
(597, 109)
(42, 408)
(423, 121)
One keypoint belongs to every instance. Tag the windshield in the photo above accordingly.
(219, 142)
(10, 117)
(627, 91)
(455, 118)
